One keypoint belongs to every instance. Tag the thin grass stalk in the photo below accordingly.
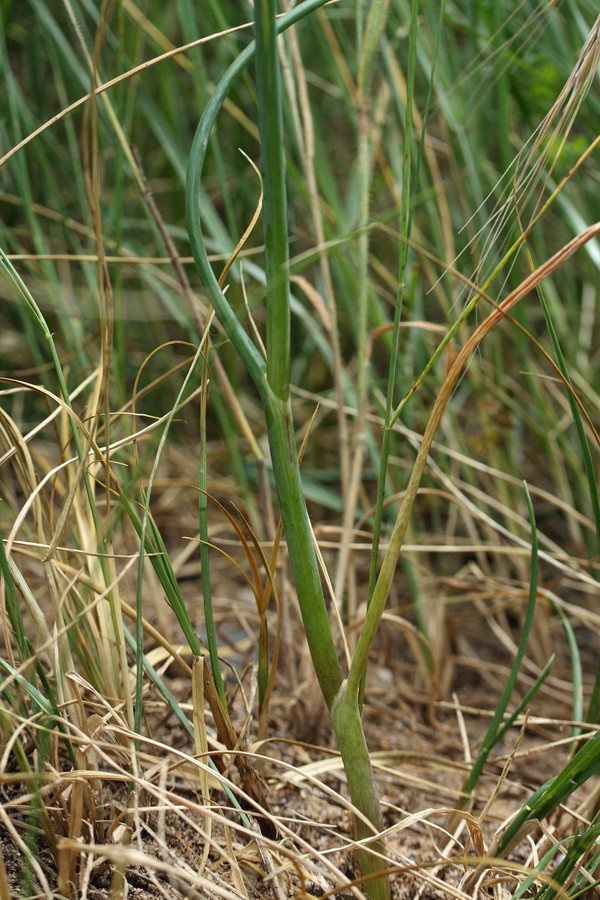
(99, 405)
(406, 211)
(577, 672)
(143, 530)
(175, 708)
(203, 327)
(492, 734)
(410, 182)
(209, 619)
(308, 161)
(11, 603)
(368, 47)
(593, 710)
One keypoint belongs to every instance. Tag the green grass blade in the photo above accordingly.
(576, 849)
(583, 766)
(494, 730)
(209, 619)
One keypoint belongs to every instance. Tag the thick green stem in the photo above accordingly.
(275, 223)
(347, 725)
(275, 391)
(300, 545)
(275, 396)
(272, 381)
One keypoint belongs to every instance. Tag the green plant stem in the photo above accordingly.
(495, 727)
(270, 126)
(275, 394)
(349, 733)
(278, 412)
(343, 707)
(300, 547)
(272, 381)
(209, 619)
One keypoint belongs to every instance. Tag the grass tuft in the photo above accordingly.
(278, 616)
